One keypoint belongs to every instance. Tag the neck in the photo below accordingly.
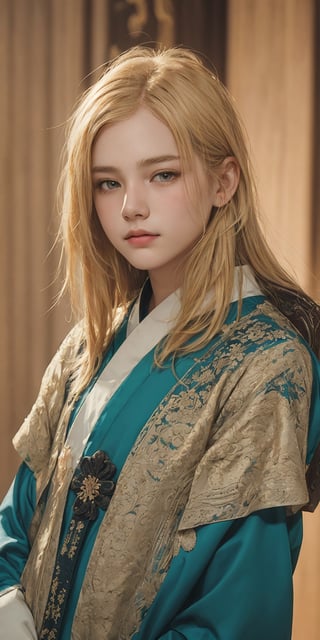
(161, 290)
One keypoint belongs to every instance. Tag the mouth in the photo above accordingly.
(140, 233)
(140, 237)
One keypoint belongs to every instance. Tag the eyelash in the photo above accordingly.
(171, 174)
(100, 185)
(160, 176)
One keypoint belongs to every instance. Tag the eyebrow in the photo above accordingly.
(142, 163)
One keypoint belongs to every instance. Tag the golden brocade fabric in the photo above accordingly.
(228, 439)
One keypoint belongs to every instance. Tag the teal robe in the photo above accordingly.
(235, 582)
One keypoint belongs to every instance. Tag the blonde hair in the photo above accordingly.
(186, 96)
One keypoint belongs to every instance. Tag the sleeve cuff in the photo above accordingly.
(16, 618)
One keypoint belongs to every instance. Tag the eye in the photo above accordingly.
(107, 185)
(165, 176)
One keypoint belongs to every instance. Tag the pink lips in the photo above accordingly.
(140, 237)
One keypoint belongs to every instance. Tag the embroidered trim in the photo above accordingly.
(187, 425)
(94, 486)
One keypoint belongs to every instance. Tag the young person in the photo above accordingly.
(164, 461)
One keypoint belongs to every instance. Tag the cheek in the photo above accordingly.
(98, 207)
(103, 218)
(193, 221)
(107, 227)
(104, 211)
(99, 214)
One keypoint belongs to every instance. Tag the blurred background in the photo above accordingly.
(266, 51)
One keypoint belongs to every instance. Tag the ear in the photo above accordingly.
(226, 181)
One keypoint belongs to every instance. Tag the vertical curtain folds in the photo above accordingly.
(273, 72)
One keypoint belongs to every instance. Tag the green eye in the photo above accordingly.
(165, 176)
(108, 185)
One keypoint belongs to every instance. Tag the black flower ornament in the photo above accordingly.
(93, 485)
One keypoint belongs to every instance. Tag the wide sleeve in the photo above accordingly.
(236, 583)
(257, 450)
(16, 512)
(34, 439)
(16, 618)
(33, 442)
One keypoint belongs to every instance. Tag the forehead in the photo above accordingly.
(141, 135)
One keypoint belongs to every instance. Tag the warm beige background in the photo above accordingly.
(47, 50)
(271, 60)
(271, 72)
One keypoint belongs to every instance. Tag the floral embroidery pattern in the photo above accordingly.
(203, 416)
(93, 485)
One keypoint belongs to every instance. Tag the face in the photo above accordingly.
(143, 197)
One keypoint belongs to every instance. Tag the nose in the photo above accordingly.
(134, 205)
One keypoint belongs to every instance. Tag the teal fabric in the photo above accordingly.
(235, 584)
(15, 518)
(314, 421)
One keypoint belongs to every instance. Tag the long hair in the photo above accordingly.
(187, 97)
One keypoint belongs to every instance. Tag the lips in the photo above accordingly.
(139, 233)
(141, 238)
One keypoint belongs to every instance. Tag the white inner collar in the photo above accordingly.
(141, 338)
(168, 309)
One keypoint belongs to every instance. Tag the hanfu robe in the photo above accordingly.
(203, 530)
